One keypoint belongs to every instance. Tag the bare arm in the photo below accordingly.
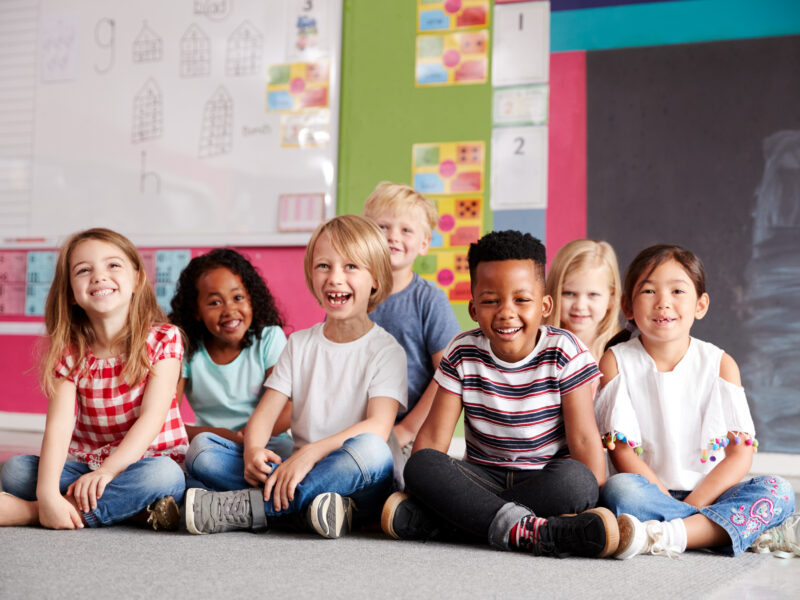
(583, 437)
(738, 457)
(437, 430)
(407, 429)
(623, 457)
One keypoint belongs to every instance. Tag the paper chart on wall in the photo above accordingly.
(521, 44)
(444, 15)
(448, 168)
(452, 58)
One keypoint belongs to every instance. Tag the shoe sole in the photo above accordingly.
(387, 514)
(612, 531)
(329, 515)
(631, 539)
(189, 507)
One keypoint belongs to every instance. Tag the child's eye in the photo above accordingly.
(214, 303)
(351, 267)
(567, 293)
(489, 301)
(238, 297)
(523, 300)
(322, 266)
(407, 230)
(82, 270)
(648, 291)
(678, 291)
(594, 294)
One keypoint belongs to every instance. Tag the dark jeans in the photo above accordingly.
(485, 502)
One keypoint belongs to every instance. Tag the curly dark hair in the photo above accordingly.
(507, 245)
(184, 303)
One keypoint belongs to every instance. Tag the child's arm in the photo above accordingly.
(256, 435)
(437, 430)
(407, 429)
(156, 402)
(738, 457)
(583, 437)
(381, 412)
(55, 511)
(622, 456)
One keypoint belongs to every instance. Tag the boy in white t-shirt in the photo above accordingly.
(346, 378)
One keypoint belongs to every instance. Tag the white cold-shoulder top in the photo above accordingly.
(677, 421)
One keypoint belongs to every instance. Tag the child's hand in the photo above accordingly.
(282, 483)
(88, 489)
(256, 464)
(58, 513)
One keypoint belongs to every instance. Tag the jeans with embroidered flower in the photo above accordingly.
(744, 511)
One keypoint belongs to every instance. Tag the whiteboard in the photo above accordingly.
(151, 118)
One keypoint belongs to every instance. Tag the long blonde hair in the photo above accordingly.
(586, 254)
(68, 326)
(360, 240)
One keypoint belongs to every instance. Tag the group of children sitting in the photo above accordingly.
(372, 396)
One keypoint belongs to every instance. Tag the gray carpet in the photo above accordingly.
(127, 562)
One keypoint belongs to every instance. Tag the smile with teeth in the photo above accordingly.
(103, 292)
(338, 297)
(507, 330)
(231, 324)
(663, 320)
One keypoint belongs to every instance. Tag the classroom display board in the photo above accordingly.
(181, 123)
(698, 145)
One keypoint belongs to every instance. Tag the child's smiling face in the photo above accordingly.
(223, 305)
(585, 299)
(509, 304)
(341, 286)
(406, 235)
(102, 278)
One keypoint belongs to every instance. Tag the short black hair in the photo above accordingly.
(184, 303)
(507, 245)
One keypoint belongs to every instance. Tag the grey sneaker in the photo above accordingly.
(331, 515)
(164, 514)
(783, 541)
(216, 512)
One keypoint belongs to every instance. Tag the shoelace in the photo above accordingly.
(657, 546)
(776, 541)
(231, 509)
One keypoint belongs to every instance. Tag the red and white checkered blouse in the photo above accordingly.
(108, 407)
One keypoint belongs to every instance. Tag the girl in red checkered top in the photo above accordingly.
(113, 355)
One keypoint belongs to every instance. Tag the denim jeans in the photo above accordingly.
(744, 511)
(361, 469)
(138, 486)
(484, 502)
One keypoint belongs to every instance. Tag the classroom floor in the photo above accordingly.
(132, 563)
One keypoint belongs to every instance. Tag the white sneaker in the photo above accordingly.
(783, 541)
(636, 537)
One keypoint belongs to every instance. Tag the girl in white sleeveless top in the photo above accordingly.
(675, 419)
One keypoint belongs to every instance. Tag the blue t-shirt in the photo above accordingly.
(422, 320)
(226, 395)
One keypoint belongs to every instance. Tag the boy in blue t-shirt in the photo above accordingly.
(417, 313)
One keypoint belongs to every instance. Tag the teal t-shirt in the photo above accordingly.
(226, 395)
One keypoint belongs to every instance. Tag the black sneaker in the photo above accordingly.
(593, 533)
(403, 519)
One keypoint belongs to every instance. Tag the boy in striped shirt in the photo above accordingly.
(533, 448)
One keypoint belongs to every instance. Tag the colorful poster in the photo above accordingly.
(444, 15)
(449, 269)
(452, 58)
(40, 270)
(12, 282)
(308, 29)
(301, 212)
(305, 129)
(460, 221)
(448, 168)
(298, 86)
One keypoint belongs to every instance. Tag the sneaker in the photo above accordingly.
(331, 515)
(164, 514)
(593, 533)
(783, 541)
(216, 512)
(403, 519)
(636, 537)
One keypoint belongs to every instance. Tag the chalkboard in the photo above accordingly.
(180, 123)
(699, 145)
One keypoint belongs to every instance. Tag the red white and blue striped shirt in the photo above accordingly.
(512, 411)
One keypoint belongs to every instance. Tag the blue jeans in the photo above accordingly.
(361, 469)
(744, 511)
(280, 444)
(138, 486)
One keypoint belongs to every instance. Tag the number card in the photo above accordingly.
(308, 29)
(521, 52)
(297, 86)
(453, 58)
(444, 15)
(519, 167)
(523, 105)
(448, 168)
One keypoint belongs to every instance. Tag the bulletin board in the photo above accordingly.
(181, 123)
(698, 145)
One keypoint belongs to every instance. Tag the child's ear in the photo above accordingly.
(547, 305)
(702, 306)
(472, 312)
(426, 245)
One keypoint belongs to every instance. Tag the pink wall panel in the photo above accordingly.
(566, 204)
(281, 267)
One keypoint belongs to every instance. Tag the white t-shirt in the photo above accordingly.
(673, 415)
(330, 383)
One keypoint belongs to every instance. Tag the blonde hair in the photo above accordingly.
(68, 325)
(398, 198)
(361, 241)
(586, 254)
